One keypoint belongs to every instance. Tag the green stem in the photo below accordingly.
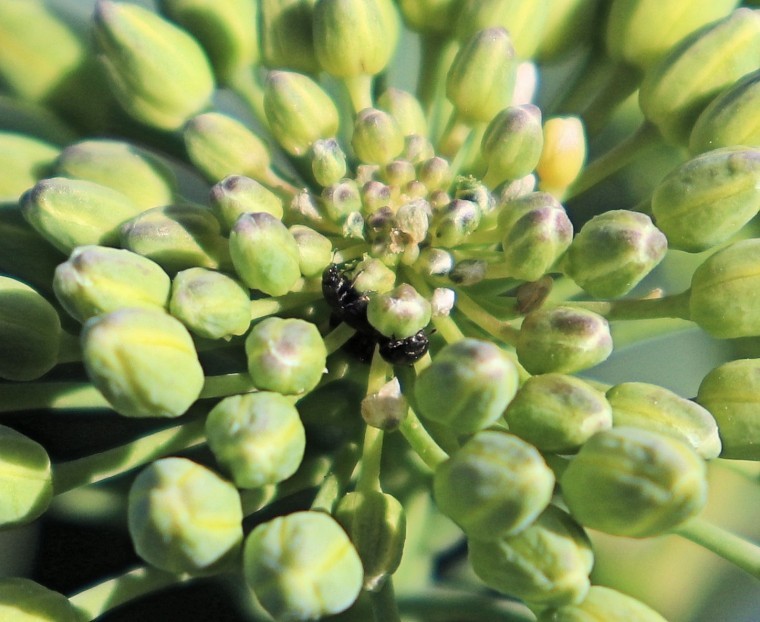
(50, 395)
(359, 90)
(384, 605)
(467, 149)
(437, 56)
(421, 442)
(337, 479)
(675, 306)
(621, 82)
(492, 325)
(454, 136)
(69, 348)
(448, 605)
(227, 384)
(273, 305)
(113, 462)
(444, 324)
(98, 599)
(372, 449)
(335, 339)
(583, 85)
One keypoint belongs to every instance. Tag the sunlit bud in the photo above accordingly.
(372, 275)
(23, 600)
(328, 161)
(375, 196)
(264, 253)
(531, 295)
(442, 301)
(633, 482)
(340, 199)
(98, 279)
(177, 237)
(547, 563)
(377, 138)
(563, 153)
(602, 604)
(314, 250)
(708, 199)
(512, 144)
(354, 37)
(26, 480)
(569, 24)
(406, 110)
(413, 219)
(302, 566)
(24, 160)
(298, 111)
(494, 485)
(676, 89)
(439, 200)
(467, 386)
(517, 188)
(557, 413)
(725, 291)
(435, 262)
(398, 173)
(563, 339)
(651, 407)
(286, 35)
(429, 16)
(387, 408)
(435, 173)
(471, 189)
(143, 361)
(613, 252)
(183, 517)
(454, 223)
(399, 313)
(157, 71)
(482, 77)
(417, 148)
(468, 272)
(236, 195)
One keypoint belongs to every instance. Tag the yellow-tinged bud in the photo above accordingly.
(406, 109)
(512, 144)
(236, 195)
(26, 479)
(377, 138)
(429, 16)
(24, 160)
(563, 154)
(23, 600)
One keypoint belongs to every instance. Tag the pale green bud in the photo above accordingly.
(177, 237)
(676, 90)
(24, 160)
(563, 154)
(708, 199)
(183, 517)
(651, 407)
(467, 386)
(328, 162)
(399, 313)
(157, 71)
(569, 24)
(341, 199)
(725, 291)
(143, 361)
(264, 253)
(236, 195)
(211, 304)
(429, 16)
(603, 604)
(285, 355)
(452, 224)
(563, 339)
(372, 275)
(547, 563)
(315, 251)
(23, 600)
(377, 138)
(219, 146)
(435, 173)
(386, 408)
(74, 212)
(557, 413)
(398, 173)
(138, 174)
(633, 482)
(298, 111)
(257, 437)
(302, 566)
(512, 144)
(355, 37)
(406, 109)
(287, 40)
(417, 148)
(613, 252)
(482, 76)
(97, 279)
(494, 485)
(30, 332)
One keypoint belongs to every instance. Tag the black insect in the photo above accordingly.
(404, 351)
(348, 305)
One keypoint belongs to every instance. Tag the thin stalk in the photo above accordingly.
(335, 339)
(359, 89)
(227, 384)
(372, 449)
(50, 395)
(444, 324)
(273, 305)
(448, 604)
(675, 306)
(337, 479)
(621, 82)
(421, 441)
(492, 325)
(384, 605)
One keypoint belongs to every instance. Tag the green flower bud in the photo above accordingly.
(467, 386)
(26, 480)
(494, 485)
(377, 138)
(264, 253)
(399, 313)
(563, 153)
(302, 566)
(177, 237)
(143, 361)
(435, 173)
(452, 224)
(376, 524)
(23, 161)
(535, 234)
(633, 482)
(210, 304)
(354, 37)
(97, 279)
(650, 407)
(406, 110)
(341, 200)
(236, 195)
(708, 199)
(30, 332)
(387, 408)
(228, 31)
(138, 174)
(725, 291)
(730, 119)
(328, 162)
(641, 32)
(398, 173)
(547, 563)
(287, 41)
(557, 413)
(73, 212)
(183, 517)
(512, 144)
(285, 355)
(257, 437)
(417, 149)
(298, 111)
(219, 145)
(563, 340)
(157, 71)
(429, 16)
(569, 24)
(676, 90)
(468, 272)
(602, 604)
(613, 252)
(731, 392)
(315, 251)
(482, 76)
(23, 600)
(372, 275)
(523, 19)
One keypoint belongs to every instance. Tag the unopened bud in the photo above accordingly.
(236, 195)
